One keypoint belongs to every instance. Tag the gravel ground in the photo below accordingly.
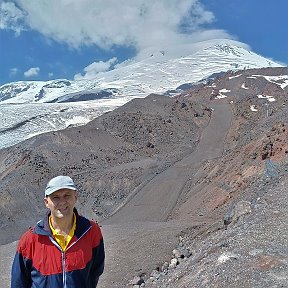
(251, 252)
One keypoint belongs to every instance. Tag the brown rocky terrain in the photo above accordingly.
(203, 173)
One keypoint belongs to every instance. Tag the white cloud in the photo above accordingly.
(96, 67)
(50, 74)
(34, 71)
(136, 23)
(11, 17)
(13, 71)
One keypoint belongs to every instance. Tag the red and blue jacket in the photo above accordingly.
(40, 262)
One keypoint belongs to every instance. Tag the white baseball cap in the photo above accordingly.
(59, 182)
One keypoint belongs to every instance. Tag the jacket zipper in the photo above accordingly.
(63, 269)
(63, 253)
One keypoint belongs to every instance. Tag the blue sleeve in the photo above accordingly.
(98, 261)
(21, 272)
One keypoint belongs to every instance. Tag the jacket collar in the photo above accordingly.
(82, 225)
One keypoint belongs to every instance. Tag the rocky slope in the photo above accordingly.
(229, 216)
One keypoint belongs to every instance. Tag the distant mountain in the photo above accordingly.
(40, 106)
(158, 72)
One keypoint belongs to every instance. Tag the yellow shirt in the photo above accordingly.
(61, 238)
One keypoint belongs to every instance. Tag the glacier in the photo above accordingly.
(28, 108)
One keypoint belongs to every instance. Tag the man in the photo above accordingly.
(65, 250)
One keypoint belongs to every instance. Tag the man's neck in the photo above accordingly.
(62, 224)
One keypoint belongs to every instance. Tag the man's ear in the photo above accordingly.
(76, 195)
(46, 202)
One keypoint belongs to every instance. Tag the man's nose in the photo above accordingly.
(62, 200)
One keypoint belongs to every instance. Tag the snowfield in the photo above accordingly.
(28, 108)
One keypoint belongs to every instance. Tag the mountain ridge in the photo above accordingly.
(156, 73)
(61, 103)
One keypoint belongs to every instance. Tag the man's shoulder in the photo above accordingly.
(31, 233)
(94, 227)
(93, 223)
(96, 231)
(26, 239)
(28, 233)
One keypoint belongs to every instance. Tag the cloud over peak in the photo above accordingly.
(94, 68)
(136, 23)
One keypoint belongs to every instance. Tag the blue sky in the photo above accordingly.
(52, 39)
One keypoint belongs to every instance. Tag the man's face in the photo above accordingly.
(61, 203)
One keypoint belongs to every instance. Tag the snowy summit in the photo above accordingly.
(155, 71)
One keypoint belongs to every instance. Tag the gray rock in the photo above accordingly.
(137, 280)
(240, 209)
(173, 263)
(181, 253)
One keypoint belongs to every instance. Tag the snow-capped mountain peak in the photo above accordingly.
(155, 71)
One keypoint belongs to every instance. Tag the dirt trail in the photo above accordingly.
(156, 200)
(139, 230)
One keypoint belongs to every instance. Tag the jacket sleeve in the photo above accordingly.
(98, 257)
(21, 268)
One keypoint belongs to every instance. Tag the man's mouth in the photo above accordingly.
(64, 209)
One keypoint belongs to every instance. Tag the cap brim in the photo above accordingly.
(50, 191)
